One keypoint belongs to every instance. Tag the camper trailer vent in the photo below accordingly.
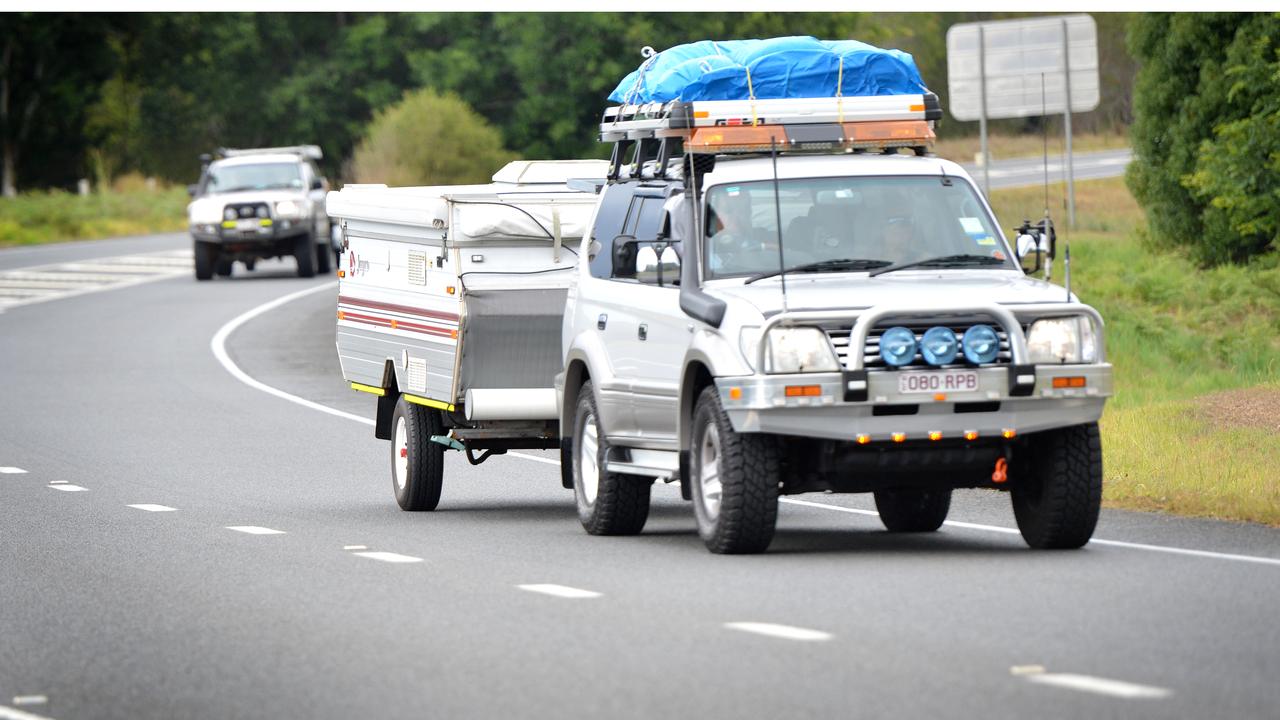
(417, 374)
(417, 267)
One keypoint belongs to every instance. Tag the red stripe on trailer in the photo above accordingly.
(399, 324)
(392, 307)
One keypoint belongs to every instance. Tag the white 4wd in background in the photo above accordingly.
(904, 351)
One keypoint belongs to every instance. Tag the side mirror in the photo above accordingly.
(1036, 241)
(317, 183)
(669, 267)
(647, 267)
(191, 190)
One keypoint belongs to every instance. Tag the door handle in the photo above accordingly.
(602, 321)
(643, 331)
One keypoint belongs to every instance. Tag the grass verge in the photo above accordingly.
(1175, 334)
(55, 216)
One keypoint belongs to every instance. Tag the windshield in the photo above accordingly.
(891, 220)
(231, 178)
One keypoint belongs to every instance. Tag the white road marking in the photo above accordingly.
(1101, 686)
(31, 700)
(1026, 669)
(153, 508)
(57, 482)
(389, 557)
(787, 632)
(218, 345)
(67, 487)
(8, 713)
(27, 285)
(255, 530)
(12, 471)
(355, 547)
(560, 591)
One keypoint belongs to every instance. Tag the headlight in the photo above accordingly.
(1062, 340)
(288, 208)
(791, 350)
(203, 213)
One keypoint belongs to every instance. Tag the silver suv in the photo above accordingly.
(260, 203)
(904, 352)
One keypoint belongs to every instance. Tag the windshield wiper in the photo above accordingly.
(836, 265)
(944, 261)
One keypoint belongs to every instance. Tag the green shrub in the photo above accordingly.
(429, 139)
(1207, 105)
(55, 215)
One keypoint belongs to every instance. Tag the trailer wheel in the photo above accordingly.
(206, 257)
(734, 481)
(608, 503)
(417, 464)
(304, 251)
(913, 509)
(1058, 492)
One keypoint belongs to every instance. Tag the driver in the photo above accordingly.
(730, 234)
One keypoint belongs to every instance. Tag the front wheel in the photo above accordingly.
(417, 463)
(608, 503)
(734, 477)
(304, 251)
(322, 259)
(913, 509)
(1057, 491)
(206, 257)
(223, 267)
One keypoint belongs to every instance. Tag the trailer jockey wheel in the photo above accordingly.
(417, 464)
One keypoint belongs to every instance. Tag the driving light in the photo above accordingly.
(1062, 340)
(981, 344)
(229, 214)
(939, 346)
(288, 208)
(897, 346)
(799, 349)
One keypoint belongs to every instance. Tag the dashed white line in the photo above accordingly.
(355, 547)
(560, 591)
(218, 345)
(31, 700)
(67, 487)
(255, 530)
(786, 632)
(8, 713)
(388, 557)
(8, 470)
(153, 508)
(1100, 686)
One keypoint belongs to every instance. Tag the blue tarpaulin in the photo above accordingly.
(787, 67)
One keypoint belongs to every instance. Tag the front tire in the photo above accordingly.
(417, 463)
(1057, 493)
(223, 267)
(913, 509)
(322, 259)
(304, 251)
(206, 257)
(608, 503)
(734, 478)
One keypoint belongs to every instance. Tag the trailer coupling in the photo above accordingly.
(455, 444)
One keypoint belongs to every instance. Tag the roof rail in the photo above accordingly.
(311, 152)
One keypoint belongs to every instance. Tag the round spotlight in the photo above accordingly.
(229, 214)
(897, 346)
(939, 346)
(981, 344)
(262, 211)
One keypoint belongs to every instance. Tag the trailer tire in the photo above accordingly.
(913, 509)
(1057, 493)
(206, 256)
(417, 463)
(304, 251)
(608, 503)
(737, 504)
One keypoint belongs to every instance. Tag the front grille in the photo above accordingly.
(871, 353)
(247, 211)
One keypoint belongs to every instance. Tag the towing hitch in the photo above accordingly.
(455, 444)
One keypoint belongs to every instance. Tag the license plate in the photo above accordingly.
(941, 381)
(247, 225)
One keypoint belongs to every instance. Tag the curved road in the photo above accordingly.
(177, 543)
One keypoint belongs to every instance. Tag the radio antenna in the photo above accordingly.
(1046, 223)
(777, 211)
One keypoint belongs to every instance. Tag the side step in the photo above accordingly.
(658, 464)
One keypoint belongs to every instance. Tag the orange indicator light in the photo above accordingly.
(863, 438)
(940, 397)
(935, 435)
(341, 315)
(451, 289)
(394, 324)
(342, 273)
(735, 393)
(1009, 433)
(803, 390)
(1069, 382)
(899, 437)
(970, 435)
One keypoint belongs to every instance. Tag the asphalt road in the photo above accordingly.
(1018, 172)
(327, 601)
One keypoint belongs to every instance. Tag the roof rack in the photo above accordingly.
(658, 132)
(308, 151)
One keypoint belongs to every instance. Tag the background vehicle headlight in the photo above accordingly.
(897, 346)
(1062, 340)
(288, 208)
(800, 349)
(981, 344)
(939, 346)
(229, 214)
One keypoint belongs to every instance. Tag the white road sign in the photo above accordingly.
(1018, 54)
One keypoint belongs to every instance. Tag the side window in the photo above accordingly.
(609, 223)
(644, 220)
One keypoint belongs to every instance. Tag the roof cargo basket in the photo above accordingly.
(311, 152)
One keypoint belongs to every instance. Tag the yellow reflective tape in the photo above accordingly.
(368, 389)
(438, 405)
(266, 222)
(228, 223)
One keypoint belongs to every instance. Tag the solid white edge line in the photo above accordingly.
(560, 591)
(8, 713)
(786, 632)
(218, 345)
(1100, 686)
